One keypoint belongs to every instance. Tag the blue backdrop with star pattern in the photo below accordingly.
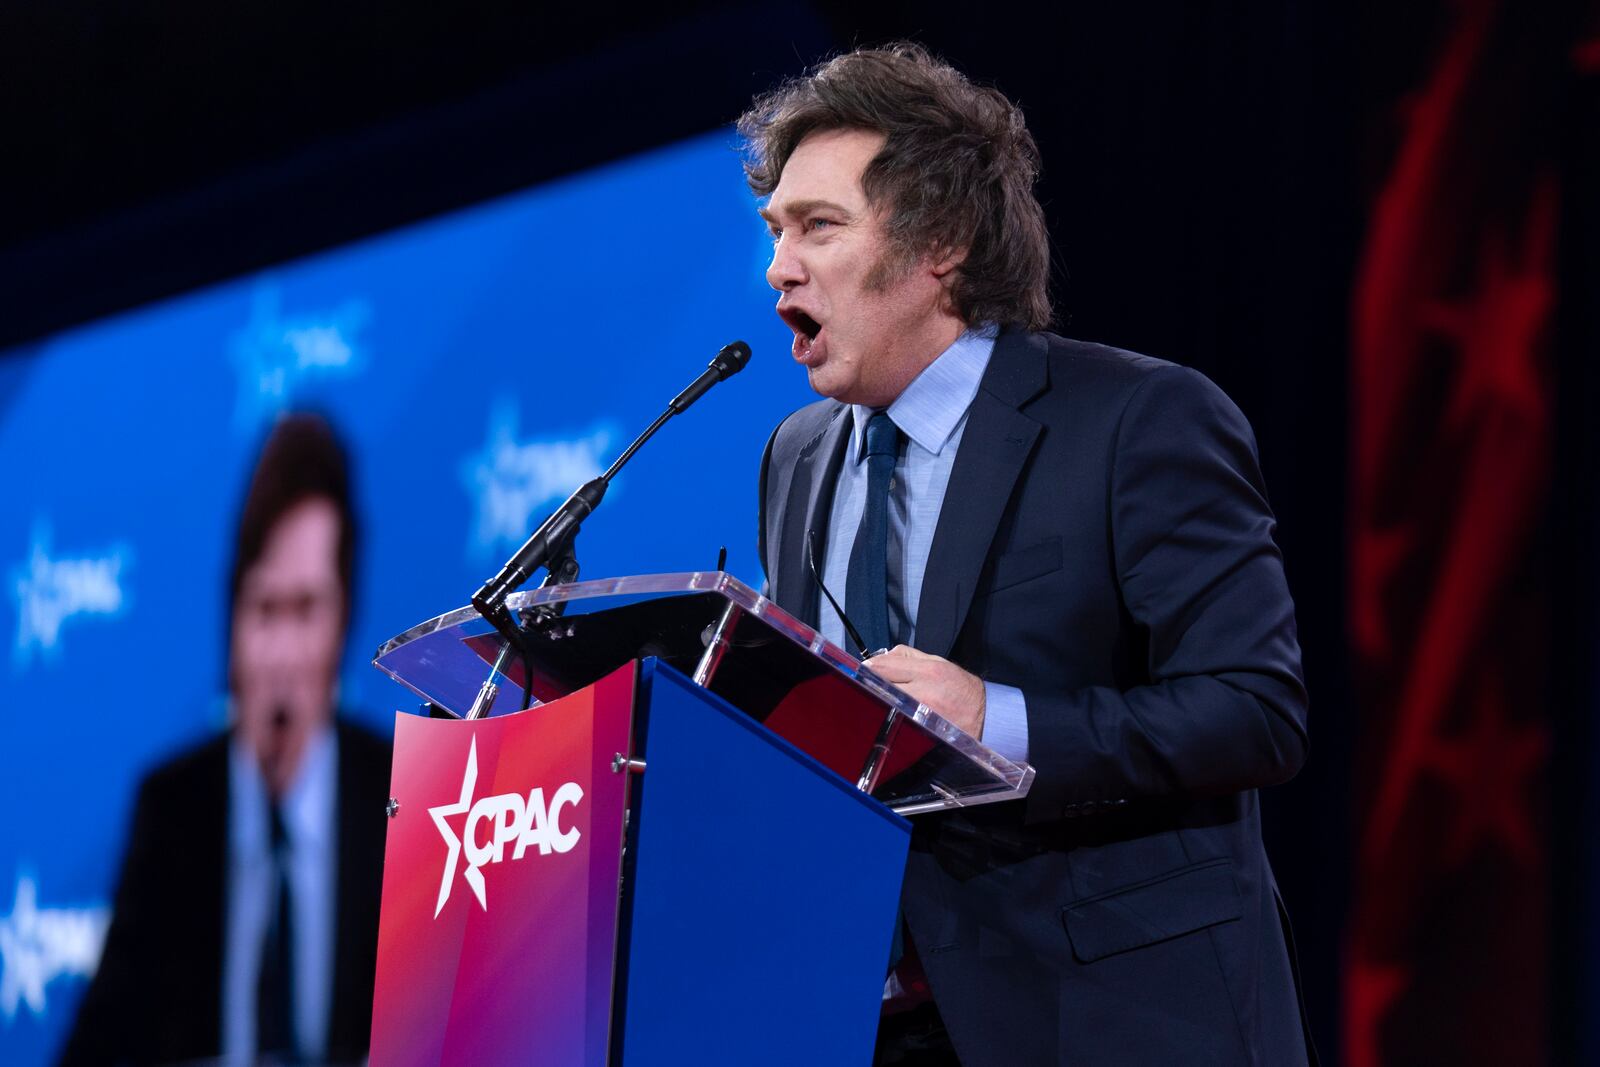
(479, 366)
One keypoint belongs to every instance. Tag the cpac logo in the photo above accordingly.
(51, 591)
(505, 819)
(273, 353)
(512, 479)
(39, 945)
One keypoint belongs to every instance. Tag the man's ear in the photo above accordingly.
(945, 262)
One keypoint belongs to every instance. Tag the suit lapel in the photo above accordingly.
(810, 498)
(995, 446)
(348, 889)
(207, 842)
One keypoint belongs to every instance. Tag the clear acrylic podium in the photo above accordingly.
(735, 643)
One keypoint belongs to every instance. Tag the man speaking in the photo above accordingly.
(1068, 552)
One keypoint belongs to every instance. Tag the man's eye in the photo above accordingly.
(818, 224)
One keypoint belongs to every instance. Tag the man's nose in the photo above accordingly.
(287, 645)
(786, 270)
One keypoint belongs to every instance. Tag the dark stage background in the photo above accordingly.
(1373, 225)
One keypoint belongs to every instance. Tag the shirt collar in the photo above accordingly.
(931, 407)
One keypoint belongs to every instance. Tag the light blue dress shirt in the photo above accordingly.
(309, 810)
(932, 413)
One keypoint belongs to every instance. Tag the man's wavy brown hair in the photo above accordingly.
(956, 171)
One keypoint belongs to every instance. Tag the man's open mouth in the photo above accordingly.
(805, 330)
(801, 323)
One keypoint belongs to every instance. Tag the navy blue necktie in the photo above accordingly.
(866, 591)
(275, 987)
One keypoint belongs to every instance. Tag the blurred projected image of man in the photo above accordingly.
(246, 916)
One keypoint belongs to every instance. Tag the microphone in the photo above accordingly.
(729, 361)
(554, 536)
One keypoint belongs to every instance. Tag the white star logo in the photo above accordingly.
(49, 591)
(38, 945)
(277, 355)
(514, 822)
(473, 875)
(511, 478)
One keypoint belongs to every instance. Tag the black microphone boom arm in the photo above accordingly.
(553, 539)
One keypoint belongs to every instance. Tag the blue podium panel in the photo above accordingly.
(764, 891)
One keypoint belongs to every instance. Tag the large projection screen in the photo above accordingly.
(479, 366)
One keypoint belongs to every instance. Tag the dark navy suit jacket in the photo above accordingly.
(1105, 545)
(157, 994)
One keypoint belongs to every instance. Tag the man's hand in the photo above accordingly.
(936, 682)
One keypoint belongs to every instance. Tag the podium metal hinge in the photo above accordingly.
(392, 808)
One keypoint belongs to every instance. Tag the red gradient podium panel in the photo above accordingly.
(492, 946)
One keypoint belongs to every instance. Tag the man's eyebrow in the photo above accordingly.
(803, 208)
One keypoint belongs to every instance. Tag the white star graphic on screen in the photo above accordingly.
(49, 591)
(39, 945)
(474, 876)
(513, 479)
(275, 354)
